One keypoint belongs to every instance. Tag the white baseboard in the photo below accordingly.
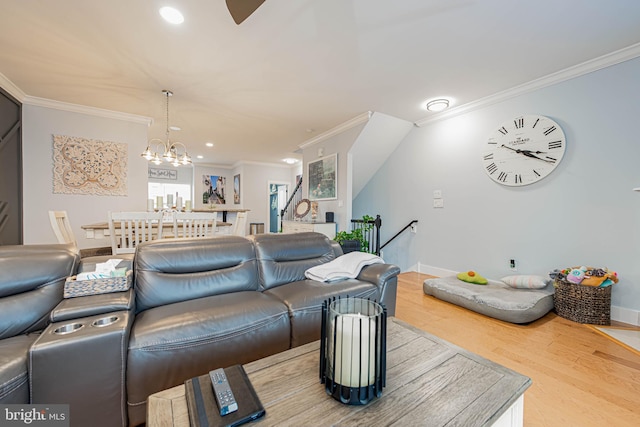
(434, 271)
(625, 315)
(619, 314)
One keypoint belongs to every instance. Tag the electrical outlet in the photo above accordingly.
(512, 265)
(438, 203)
(437, 194)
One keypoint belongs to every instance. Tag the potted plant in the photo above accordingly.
(355, 240)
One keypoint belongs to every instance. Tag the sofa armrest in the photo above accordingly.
(90, 305)
(385, 277)
(337, 249)
(82, 363)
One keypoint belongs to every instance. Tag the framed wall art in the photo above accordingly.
(322, 178)
(236, 189)
(159, 173)
(213, 189)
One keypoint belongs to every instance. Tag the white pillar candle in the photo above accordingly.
(159, 203)
(150, 205)
(169, 201)
(355, 350)
(179, 203)
(187, 205)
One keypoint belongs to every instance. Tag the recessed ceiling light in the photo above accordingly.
(437, 104)
(290, 161)
(209, 144)
(171, 15)
(175, 128)
(200, 157)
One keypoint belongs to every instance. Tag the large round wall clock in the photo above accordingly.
(523, 150)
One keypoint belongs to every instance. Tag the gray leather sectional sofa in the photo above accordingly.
(196, 305)
(31, 285)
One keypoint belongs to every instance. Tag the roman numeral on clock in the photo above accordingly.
(536, 172)
(555, 144)
(503, 130)
(519, 123)
(502, 177)
(550, 159)
(535, 123)
(548, 131)
(518, 179)
(492, 168)
(489, 157)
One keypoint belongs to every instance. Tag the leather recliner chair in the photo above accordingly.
(32, 281)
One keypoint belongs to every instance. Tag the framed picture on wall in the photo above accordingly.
(159, 173)
(322, 178)
(213, 186)
(236, 189)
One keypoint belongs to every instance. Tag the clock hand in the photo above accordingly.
(528, 153)
(533, 156)
(512, 149)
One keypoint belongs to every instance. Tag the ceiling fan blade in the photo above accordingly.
(242, 9)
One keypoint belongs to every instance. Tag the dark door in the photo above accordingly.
(10, 170)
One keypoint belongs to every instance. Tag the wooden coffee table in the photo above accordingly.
(430, 382)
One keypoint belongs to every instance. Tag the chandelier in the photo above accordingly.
(172, 152)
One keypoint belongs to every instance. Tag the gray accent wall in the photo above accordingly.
(584, 213)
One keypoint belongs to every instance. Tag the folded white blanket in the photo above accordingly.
(347, 266)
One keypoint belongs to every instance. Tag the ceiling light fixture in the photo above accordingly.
(171, 15)
(290, 161)
(438, 104)
(170, 149)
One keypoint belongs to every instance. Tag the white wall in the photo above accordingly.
(201, 170)
(340, 144)
(39, 126)
(584, 213)
(255, 188)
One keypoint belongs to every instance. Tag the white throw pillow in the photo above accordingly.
(523, 281)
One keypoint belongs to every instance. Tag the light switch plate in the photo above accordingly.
(438, 203)
(437, 194)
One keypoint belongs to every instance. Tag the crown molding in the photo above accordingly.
(82, 109)
(17, 93)
(590, 66)
(12, 89)
(361, 118)
(255, 163)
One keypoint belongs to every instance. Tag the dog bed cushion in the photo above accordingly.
(495, 299)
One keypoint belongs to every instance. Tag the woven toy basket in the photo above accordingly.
(583, 304)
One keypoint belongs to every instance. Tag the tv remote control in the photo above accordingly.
(224, 396)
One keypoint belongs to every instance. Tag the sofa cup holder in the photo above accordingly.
(105, 321)
(69, 328)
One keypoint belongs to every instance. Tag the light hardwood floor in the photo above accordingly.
(580, 377)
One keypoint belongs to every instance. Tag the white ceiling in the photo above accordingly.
(296, 68)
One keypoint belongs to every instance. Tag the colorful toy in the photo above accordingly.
(587, 276)
(575, 276)
(472, 277)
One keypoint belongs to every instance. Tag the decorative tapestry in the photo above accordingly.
(89, 166)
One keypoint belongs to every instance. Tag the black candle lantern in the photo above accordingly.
(353, 349)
